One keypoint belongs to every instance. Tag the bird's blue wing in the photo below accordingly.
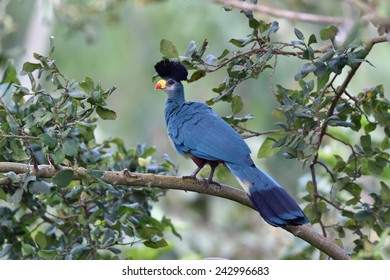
(196, 129)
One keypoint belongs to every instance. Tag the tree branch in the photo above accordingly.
(279, 13)
(169, 182)
(371, 15)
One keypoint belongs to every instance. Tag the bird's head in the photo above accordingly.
(171, 73)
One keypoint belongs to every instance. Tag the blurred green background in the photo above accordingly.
(120, 47)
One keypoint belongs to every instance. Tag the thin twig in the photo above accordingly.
(23, 137)
(254, 133)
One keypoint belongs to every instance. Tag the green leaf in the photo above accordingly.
(364, 216)
(321, 69)
(337, 64)
(6, 249)
(63, 178)
(15, 178)
(39, 187)
(16, 197)
(238, 68)
(40, 239)
(334, 122)
(365, 141)
(273, 28)
(105, 113)
(96, 175)
(210, 59)
(59, 156)
(353, 189)
(385, 192)
(28, 249)
(242, 42)
(3, 195)
(253, 23)
(78, 94)
(167, 49)
(327, 56)
(312, 39)
(375, 166)
(298, 43)
(237, 104)
(48, 140)
(78, 251)
(266, 150)
(223, 54)
(158, 244)
(148, 152)
(10, 75)
(197, 75)
(190, 49)
(116, 251)
(322, 207)
(29, 67)
(328, 33)
(323, 80)
(47, 254)
(310, 213)
(305, 69)
(87, 85)
(369, 127)
(70, 148)
(299, 34)
(385, 144)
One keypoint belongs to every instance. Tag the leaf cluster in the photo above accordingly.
(68, 217)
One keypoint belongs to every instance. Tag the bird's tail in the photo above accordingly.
(273, 203)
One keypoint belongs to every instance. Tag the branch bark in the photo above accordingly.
(169, 182)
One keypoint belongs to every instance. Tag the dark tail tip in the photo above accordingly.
(277, 207)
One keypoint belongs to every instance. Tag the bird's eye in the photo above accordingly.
(170, 82)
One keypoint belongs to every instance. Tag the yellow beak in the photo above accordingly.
(161, 84)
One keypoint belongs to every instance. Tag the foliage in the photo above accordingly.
(320, 115)
(63, 218)
(340, 137)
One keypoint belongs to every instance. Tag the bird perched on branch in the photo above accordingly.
(199, 133)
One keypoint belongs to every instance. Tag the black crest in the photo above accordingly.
(171, 69)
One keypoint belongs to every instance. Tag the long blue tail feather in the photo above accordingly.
(273, 203)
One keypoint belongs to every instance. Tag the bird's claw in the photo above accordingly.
(191, 177)
(209, 182)
(206, 181)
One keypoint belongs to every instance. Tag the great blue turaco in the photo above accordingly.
(199, 133)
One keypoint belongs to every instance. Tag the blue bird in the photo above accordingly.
(199, 133)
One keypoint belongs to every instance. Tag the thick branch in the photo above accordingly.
(169, 182)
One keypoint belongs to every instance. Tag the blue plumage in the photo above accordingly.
(197, 131)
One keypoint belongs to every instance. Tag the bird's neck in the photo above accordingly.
(174, 100)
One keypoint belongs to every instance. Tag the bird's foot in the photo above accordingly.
(206, 181)
(191, 177)
(209, 182)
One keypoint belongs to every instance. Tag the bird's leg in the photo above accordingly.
(210, 180)
(199, 163)
(193, 174)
